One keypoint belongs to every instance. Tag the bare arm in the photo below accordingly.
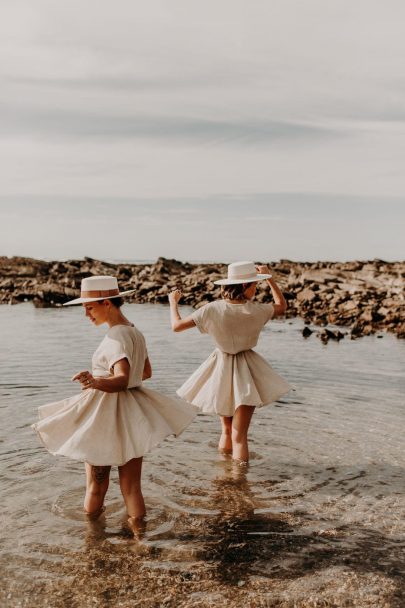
(178, 324)
(116, 383)
(147, 370)
(280, 305)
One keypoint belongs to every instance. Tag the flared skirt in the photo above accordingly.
(111, 428)
(225, 381)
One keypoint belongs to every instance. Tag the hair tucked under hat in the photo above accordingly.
(234, 292)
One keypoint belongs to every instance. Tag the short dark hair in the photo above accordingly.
(117, 302)
(234, 292)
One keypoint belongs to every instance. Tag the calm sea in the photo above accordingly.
(326, 479)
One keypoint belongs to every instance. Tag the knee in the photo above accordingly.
(238, 435)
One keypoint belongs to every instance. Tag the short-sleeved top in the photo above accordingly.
(121, 342)
(234, 327)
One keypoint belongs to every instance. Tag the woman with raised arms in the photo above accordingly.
(234, 380)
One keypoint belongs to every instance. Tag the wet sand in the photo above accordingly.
(316, 520)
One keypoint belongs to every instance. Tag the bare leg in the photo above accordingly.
(240, 427)
(97, 480)
(130, 483)
(225, 441)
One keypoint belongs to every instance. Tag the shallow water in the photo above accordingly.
(319, 513)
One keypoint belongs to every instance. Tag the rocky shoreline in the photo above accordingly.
(362, 297)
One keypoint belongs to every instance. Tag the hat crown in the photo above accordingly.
(99, 283)
(241, 270)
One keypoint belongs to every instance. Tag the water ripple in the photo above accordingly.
(324, 489)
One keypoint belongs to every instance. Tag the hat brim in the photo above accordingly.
(86, 300)
(258, 277)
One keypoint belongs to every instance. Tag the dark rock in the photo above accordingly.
(327, 334)
(367, 296)
(306, 295)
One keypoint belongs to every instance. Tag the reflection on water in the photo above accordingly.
(318, 513)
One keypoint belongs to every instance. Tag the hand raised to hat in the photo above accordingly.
(263, 269)
(280, 305)
(175, 296)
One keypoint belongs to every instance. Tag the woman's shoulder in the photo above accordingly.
(120, 329)
(123, 332)
(257, 305)
(265, 305)
(208, 306)
(265, 309)
(216, 304)
(205, 315)
(212, 304)
(127, 338)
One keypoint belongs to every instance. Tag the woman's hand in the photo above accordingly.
(86, 379)
(263, 269)
(175, 296)
(113, 384)
(178, 324)
(147, 370)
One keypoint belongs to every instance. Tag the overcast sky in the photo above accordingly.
(202, 130)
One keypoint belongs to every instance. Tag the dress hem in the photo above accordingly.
(110, 464)
(209, 411)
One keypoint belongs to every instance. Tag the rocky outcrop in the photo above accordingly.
(365, 297)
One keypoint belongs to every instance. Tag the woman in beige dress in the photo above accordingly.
(234, 380)
(114, 420)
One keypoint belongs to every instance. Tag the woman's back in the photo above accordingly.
(234, 327)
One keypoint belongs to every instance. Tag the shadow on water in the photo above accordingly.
(242, 539)
(240, 542)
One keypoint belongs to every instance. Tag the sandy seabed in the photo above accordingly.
(243, 556)
(126, 576)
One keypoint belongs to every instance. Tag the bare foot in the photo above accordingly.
(225, 451)
(241, 463)
(240, 452)
(137, 525)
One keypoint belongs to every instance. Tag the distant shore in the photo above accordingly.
(363, 297)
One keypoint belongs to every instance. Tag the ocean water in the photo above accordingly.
(322, 501)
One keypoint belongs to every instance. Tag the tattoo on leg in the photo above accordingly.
(99, 474)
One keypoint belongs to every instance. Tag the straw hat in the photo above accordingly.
(97, 288)
(242, 272)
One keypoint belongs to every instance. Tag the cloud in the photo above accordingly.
(53, 122)
(132, 83)
(175, 99)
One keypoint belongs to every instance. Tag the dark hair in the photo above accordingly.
(234, 292)
(117, 302)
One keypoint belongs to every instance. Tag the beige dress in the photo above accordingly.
(112, 428)
(233, 374)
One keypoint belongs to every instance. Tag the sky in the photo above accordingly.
(215, 130)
